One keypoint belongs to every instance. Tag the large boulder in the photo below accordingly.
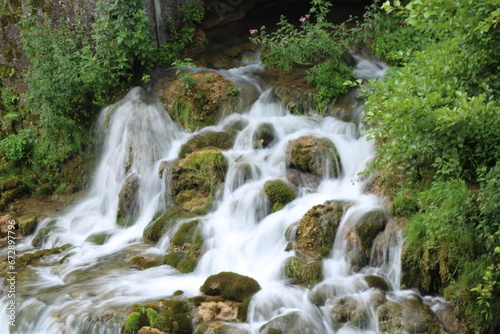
(313, 155)
(196, 178)
(356, 312)
(299, 271)
(128, 204)
(279, 194)
(289, 323)
(296, 100)
(317, 229)
(230, 286)
(200, 99)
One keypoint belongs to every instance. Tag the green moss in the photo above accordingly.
(29, 258)
(186, 233)
(174, 258)
(27, 224)
(99, 238)
(377, 282)
(369, 226)
(311, 273)
(208, 140)
(174, 317)
(202, 171)
(186, 266)
(317, 229)
(279, 194)
(7, 71)
(132, 323)
(318, 156)
(230, 286)
(157, 228)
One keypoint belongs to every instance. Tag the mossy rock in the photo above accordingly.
(128, 204)
(170, 316)
(157, 228)
(10, 195)
(208, 140)
(181, 261)
(99, 238)
(377, 282)
(198, 175)
(296, 100)
(230, 286)
(289, 323)
(264, 136)
(304, 272)
(236, 125)
(44, 233)
(29, 258)
(28, 224)
(13, 183)
(369, 226)
(408, 317)
(200, 103)
(173, 317)
(347, 309)
(318, 156)
(144, 262)
(279, 194)
(317, 229)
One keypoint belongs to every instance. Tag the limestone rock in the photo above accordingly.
(230, 286)
(314, 155)
(279, 194)
(128, 200)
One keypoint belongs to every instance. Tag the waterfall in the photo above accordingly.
(86, 288)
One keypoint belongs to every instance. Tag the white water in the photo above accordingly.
(88, 291)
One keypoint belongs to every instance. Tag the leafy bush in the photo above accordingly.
(330, 80)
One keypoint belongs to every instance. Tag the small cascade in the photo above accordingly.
(87, 287)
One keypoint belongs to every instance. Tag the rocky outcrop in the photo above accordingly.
(196, 178)
(198, 100)
(314, 239)
(314, 155)
(264, 136)
(296, 100)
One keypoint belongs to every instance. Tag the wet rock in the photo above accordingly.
(299, 179)
(377, 282)
(409, 316)
(144, 261)
(219, 311)
(369, 226)
(303, 272)
(185, 247)
(279, 194)
(296, 100)
(264, 136)
(219, 328)
(158, 227)
(99, 238)
(44, 233)
(236, 125)
(208, 140)
(198, 100)
(230, 286)
(28, 223)
(128, 200)
(313, 155)
(356, 312)
(5, 223)
(289, 323)
(317, 230)
(196, 178)
(389, 238)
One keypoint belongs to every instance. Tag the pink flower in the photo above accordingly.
(302, 19)
(308, 16)
(263, 27)
(253, 31)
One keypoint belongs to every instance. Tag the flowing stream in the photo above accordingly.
(86, 288)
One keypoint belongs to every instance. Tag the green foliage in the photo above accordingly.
(330, 79)
(307, 44)
(17, 147)
(180, 38)
(132, 323)
(184, 74)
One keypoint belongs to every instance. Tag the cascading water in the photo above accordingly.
(86, 288)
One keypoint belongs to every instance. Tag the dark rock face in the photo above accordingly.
(230, 286)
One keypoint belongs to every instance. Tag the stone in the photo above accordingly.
(264, 136)
(279, 194)
(313, 155)
(5, 223)
(230, 286)
(217, 140)
(303, 272)
(128, 200)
